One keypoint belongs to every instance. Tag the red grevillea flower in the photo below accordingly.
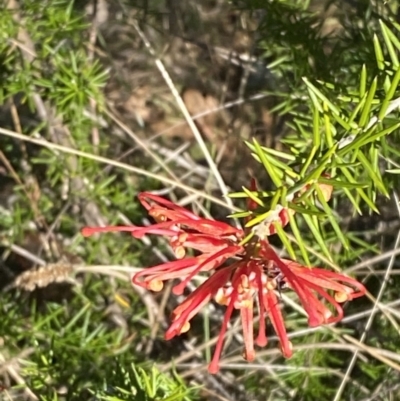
(214, 240)
(254, 274)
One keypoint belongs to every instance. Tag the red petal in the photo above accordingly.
(261, 337)
(166, 271)
(214, 365)
(212, 262)
(274, 312)
(246, 314)
(144, 196)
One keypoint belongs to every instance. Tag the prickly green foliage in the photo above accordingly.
(343, 130)
(55, 67)
(83, 349)
(338, 136)
(126, 382)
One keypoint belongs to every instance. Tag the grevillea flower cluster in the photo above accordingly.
(242, 275)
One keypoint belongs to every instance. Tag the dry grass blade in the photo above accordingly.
(124, 166)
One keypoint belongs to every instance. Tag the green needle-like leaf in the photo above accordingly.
(316, 132)
(299, 239)
(395, 41)
(278, 153)
(368, 103)
(309, 160)
(363, 81)
(370, 137)
(312, 224)
(311, 210)
(360, 106)
(389, 95)
(272, 172)
(389, 45)
(371, 170)
(328, 130)
(259, 219)
(343, 184)
(353, 200)
(322, 97)
(285, 241)
(253, 196)
(331, 217)
(380, 60)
